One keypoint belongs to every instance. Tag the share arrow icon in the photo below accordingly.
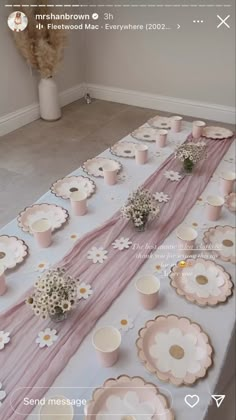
(218, 399)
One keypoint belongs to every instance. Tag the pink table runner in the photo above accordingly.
(22, 363)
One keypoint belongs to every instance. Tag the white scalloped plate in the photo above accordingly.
(145, 134)
(221, 240)
(230, 202)
(65, 186)
(160, 122)
(123, 149)
(128, 398)
(13, 251)
(217, 133)
(201, 281)
(56, 215)
(94, 166)
(174, 349)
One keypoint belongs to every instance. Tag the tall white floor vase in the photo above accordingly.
(49, 100)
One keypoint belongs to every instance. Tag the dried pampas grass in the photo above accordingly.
(43, 49)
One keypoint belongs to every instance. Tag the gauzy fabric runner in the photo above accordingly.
(22, 362)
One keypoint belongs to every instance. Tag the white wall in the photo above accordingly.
(195, 63)
(18, 86)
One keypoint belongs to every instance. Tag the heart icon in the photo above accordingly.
(192, 400)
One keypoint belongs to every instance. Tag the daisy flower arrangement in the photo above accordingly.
(140, 207)
(54, 296)
(190, 154)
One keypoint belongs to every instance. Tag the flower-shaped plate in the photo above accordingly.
(13, 251)
(56, 215)
(65, 186)
(230, 202)
(201, 281)
(175, 349)
(145, 134)
(160, 122)
(221, 241)
(217, 133)
(123, 149)
(127, 397)
(94, 166)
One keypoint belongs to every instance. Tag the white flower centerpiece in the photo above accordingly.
(190, 154)
(140, 208)
(55, 295)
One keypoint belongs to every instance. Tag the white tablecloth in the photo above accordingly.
(83, 373)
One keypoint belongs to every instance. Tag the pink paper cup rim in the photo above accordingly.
(146, 293)
(228, 176)
(215, 200)
(163, 132)
(199, 123)
(110, 350)
(78, 196)
(141, 148)
(40, 226)
(184, 230)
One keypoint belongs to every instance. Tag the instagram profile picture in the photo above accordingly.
(17, 21)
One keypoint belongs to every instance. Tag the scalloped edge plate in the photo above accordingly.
(75, 180)
(207, 242)
(123, 149)
(99, 172)
(230, 202)
(189, 379)
(227, 287)
(21, 246)
(61, 216)
(216, 133)
(142, 134)
(160, 122)
(123, 381)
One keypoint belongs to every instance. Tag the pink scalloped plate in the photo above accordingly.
(56, 215)
(217, 133)
(124, 149)
(13, 251)
(145, 134)
(201, 281)
(221, 241)
(65, 186)
(175, 349)
(128, 398)
(230, 202)
(94, 166)
(160, 122)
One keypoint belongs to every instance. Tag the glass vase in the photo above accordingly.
(188, 166)
(58, 316)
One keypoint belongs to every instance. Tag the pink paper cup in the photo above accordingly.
(161, 138)
(187, 239)
(107, 341)
(3, 286)
(78, 200)
(227, 180)
(141, 154)
(42, 232)
(197, 129)
(214, 207)
(110, 174)
(148, 290)
(176, 123)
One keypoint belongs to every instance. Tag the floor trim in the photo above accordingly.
(23, 116)
(180, 106)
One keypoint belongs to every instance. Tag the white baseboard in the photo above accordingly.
(193, 109)
(23, 116)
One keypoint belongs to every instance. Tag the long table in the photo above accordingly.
(83, 374)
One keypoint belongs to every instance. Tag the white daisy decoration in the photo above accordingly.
(172, 175)
(122, 243)
(124, 408)
(203, 281)
(46, 337)
(84, 291)
(2, 394)
(97, 254)
(177, 353)
(200, 201)
(161, 197)
(4, 339)
(125, 323)
(42, 266)
(157, 267)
